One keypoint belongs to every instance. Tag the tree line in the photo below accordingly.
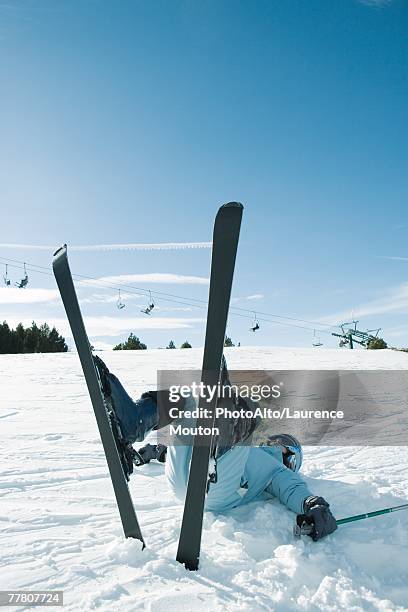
(43, 339)
(133, 343)
(34, 339)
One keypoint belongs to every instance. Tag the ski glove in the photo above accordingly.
(149, 452)
(317, 513)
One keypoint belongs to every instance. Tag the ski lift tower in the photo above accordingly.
(351, 335)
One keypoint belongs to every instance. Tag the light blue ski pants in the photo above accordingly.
(244, 473)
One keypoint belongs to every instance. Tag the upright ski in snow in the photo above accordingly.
(225, 243)
(67, 290)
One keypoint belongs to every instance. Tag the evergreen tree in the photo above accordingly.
(33, 339)
(132, 344)
(377, 343)
(228, 341)
(186, 344)
(44, 340)
(5, 338)
(55, 342)
(171, 345)
(19, 336)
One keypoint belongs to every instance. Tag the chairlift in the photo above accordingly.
(316, 339)
(150, 305)
(255, 324)
(24, 281)
(7, 281)
(119, 303)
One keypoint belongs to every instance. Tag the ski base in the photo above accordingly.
(225, 243)
(109, 435)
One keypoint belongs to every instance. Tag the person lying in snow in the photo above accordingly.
(244, 473)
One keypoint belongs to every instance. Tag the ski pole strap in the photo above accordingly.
(307, 529)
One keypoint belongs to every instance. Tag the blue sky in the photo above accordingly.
(132, 122)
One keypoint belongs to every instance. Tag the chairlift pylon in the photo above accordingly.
(24, 281)
(350, 336)
(255, 324)
(150, 305)
(119, 303)
(7, 281)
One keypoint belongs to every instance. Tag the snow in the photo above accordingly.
(59, 525)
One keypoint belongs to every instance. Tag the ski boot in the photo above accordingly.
(130, 420)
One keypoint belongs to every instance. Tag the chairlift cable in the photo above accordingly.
(167, 297)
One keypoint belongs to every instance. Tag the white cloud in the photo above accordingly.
(395, 332)
(393, 258)
(131, 246)
(152, 278)
(11, 295)
(173, 308)
(113, 326)
(100, 298)
(110, 326)
(255, 296)
(394, 299)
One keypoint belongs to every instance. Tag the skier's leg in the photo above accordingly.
(223, 494)
(178, 456)
(177, 468)
(231, 459)
(136, 418)
(245, 473)
(231, 487)
(152, 411)
(240, 479)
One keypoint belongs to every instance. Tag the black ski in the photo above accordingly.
(225, 243)
(113, 455)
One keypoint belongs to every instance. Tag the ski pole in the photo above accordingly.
(306, 529)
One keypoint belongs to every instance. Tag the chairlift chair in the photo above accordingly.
(7, 281)
(255, 324)
(119, 303)
(316, 339)
(24, 281)
(150, 305)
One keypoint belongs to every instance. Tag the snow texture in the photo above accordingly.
(60, 529)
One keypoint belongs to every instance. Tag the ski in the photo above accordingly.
(109, 436)
(225, 242)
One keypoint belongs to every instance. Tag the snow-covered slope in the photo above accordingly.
(59, 526)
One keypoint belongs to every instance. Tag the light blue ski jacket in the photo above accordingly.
(244, 474)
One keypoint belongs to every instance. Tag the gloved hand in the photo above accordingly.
(150, 451)
(317, 513)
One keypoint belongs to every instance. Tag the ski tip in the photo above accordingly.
(233, 205)
(59, 257)
(61, 249)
